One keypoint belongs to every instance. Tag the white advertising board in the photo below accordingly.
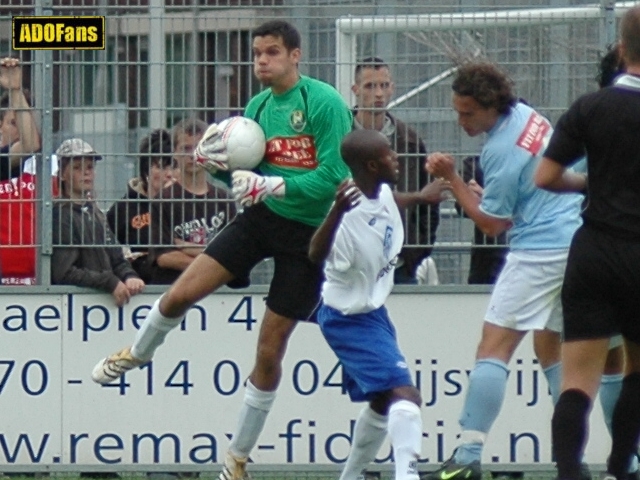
(181, 409)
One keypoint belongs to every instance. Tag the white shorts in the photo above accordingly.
(527, 293)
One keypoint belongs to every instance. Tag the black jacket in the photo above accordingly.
(130, 220)
(178, 214)
(85, 252)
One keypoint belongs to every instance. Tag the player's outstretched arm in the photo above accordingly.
(430, 194)
(347, 197)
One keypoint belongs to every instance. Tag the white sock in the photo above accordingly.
(253, 414)
(152, 333)
(405, 430)
(368, 434)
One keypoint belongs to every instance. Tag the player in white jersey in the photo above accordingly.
(539, 226)
(360, 239)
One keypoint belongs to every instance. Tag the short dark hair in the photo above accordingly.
(486, 84)
(279, 28)
(360, 146)
(611, 65)
(190, 126)
(369, 62)
(155, 149)
(4, 102)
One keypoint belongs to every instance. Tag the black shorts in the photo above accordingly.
(600, 291)
(258, 233)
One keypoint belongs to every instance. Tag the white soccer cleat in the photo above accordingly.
(234, 468)
(114, 366)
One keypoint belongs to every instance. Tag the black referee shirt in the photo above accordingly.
(605, 125)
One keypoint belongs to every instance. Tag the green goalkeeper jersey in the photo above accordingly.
(304, 128)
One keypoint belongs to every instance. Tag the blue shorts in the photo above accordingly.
(367, 348)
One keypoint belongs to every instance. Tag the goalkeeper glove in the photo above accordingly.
(209, 151)
(250, 188)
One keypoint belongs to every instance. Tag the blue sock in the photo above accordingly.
(487, 383)
(554, 376)
(610, 387)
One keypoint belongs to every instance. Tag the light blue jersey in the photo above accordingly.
(580, 166)
(541, 220)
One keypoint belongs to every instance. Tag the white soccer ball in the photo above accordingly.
(240, 139)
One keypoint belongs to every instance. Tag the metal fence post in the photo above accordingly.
(157, 65)
(608, 24)
(44, 192)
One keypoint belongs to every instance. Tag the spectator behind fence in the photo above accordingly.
(373, 89)
(487, 253)
(85, 252)
(19, 137)
(130, 217)
(188, 213)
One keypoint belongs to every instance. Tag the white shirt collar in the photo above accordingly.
(626, 80)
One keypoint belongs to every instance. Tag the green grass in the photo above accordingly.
(258, 475)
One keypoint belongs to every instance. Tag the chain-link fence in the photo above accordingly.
(165, 62)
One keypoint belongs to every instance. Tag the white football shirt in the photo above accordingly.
(360, 265)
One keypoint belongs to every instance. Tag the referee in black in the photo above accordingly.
(600, 295)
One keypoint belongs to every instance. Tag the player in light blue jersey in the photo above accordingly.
(539, 220)
(539, 225)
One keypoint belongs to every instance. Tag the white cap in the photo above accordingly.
(76, 147)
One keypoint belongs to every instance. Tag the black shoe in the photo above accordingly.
(500, 475)
(450, 470)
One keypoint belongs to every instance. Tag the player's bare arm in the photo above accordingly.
(430, 194)
(554, 177)
(188, 248)
(443, 166)
(176, 259)
(347, 197)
